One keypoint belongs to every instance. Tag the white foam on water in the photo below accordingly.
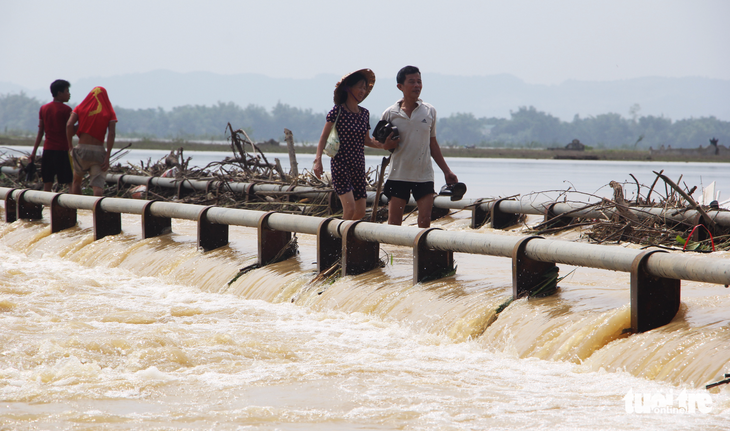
(125, 351)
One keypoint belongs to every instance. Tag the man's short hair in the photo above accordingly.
(408, 70)
(58, 86)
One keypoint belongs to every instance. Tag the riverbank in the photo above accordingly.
(492, 153)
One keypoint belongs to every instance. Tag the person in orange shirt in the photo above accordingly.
(52, 120)
(95, 116)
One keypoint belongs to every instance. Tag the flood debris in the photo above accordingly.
(248, 164)
(632, 222)
(721, 382)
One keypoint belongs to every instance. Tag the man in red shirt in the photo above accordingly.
(52, 122)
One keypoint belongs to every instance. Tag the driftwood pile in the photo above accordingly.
(247, 164)
(631, 222)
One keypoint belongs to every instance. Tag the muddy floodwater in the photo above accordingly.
(127, 333)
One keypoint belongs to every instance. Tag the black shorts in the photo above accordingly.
(403, 189)
(56, 163)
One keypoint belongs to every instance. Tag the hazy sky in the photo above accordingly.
(541, 42)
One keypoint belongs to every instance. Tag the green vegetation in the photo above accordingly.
(527, 128)
(530, 128)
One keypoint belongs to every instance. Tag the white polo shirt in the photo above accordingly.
(411, 160)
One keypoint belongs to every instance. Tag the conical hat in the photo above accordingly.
(369, 77)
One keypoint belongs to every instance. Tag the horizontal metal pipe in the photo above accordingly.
(696, 268)
(447, 203)
(234, 217)
(35, 197)
(574, 209)
(389, 234)
(9, 170)
(202, 185)
(120, 205)
(176, 210)
(667, 265)
(614, 258)
(578, 254)
(722, 218)
(294, 222)
(472, 242)
(79, 202)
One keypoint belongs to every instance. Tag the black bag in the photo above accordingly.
(383, 129)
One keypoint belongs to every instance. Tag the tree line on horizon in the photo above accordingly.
(526, 128)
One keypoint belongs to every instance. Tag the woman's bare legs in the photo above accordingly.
(352, 209)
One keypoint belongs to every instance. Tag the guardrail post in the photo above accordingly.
(211, 235)
(437, 213)
(654, 300)
(120, 185)
(329, 247)
(61, 217)
(557, 221)
(429, 264)
(11, 207)
(249, 193)
(153, 226)
(209, 184)
(527, 274)
(27, 210)
(479, 216)
(105, 223)
(148, 189)
(333, 203)
(181, 191)
(503, 220)
(358, 256)
(272, 242)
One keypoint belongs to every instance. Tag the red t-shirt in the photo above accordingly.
(54, 116)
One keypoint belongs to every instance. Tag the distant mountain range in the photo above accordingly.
(483, 96)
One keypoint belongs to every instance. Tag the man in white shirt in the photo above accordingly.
(410, 166)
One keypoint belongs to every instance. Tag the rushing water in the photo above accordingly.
(125, 333)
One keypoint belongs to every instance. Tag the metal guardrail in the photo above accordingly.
(655, 275)
(503, 213)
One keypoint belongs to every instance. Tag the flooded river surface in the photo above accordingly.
(127, 333)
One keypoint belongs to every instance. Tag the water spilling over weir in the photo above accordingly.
(92, 336)
(585, 321)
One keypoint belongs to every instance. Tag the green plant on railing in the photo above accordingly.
(548, 285)
(700, 246)
(504, 305)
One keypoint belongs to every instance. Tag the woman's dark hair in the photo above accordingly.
(408, 70)
(349, 82)
(58, 86)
